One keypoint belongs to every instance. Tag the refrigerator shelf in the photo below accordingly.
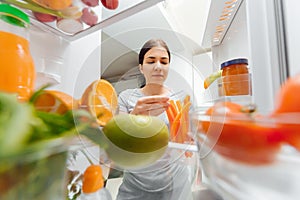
(108, 17)
(238, 83)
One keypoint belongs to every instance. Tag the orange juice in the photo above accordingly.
(17, 72)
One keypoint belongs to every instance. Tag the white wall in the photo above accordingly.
(235, 43)
(188, 17)
(84, 63)
(203, 68)
(70, 66)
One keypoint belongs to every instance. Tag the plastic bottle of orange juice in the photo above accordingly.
(17, 71)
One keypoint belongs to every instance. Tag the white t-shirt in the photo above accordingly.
(167, 178)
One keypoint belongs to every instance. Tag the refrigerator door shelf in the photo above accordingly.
(221, 14)
(222, 89)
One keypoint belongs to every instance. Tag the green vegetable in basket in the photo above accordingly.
(21, 125)
(15, 123)
(34, 146)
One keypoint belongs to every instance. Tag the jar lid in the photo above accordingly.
(234, 61)
(13, 15)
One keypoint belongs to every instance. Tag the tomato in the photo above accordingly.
(287, 111)
(240, 135)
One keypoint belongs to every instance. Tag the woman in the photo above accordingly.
(166, 179)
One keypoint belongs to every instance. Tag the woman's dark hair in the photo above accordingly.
(150, 44)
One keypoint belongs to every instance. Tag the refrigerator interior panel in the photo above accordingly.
(48, 52)
(253, 33)
(253, 29)
(292, 33)
(69, 66)
(226, 34)
(84, 64)
(235, 43)
(267, 55)
(203, 67)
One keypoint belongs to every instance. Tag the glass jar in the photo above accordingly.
(17, 71)
(236, 77)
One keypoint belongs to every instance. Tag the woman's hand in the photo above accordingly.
(151, 105)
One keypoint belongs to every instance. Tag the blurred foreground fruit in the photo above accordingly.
(100, 98)
(287, 111)
(134, 141)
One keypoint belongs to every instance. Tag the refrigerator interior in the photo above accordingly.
(261, 30)
(71, 62)
(109, 50)
(291, 32)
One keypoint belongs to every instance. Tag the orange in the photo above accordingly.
(54, 4)
(55, 101)
(100, 98)
(92, 179)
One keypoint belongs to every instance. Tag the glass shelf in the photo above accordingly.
(108, 17)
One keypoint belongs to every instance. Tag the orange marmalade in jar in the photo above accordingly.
(17, 71)
(235, 77)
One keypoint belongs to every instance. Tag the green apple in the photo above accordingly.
(135, 141)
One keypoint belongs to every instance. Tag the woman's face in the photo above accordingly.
(155, 66)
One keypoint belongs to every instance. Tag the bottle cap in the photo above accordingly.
(13, 15)
(92, 179)
(234, 61)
